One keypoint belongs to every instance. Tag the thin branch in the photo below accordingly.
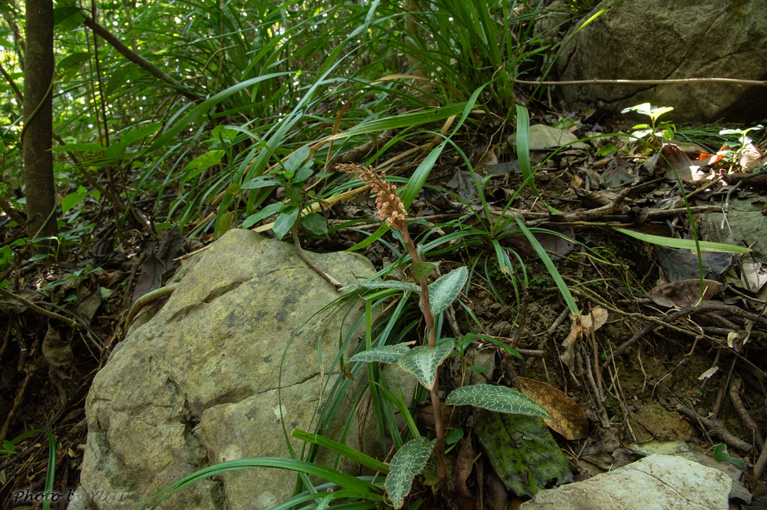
(138, 59)
(670, 81)
(69, 322)
(309, 262)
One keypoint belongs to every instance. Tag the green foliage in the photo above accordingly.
(522, 452)
(409, 461)
(721, 455)
(654, 132)
(496, 398)
(265, 88)
(8, 449)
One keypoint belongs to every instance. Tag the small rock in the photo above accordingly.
(657, 482)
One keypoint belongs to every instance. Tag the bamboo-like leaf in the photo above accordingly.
(684, 244)
(500, 399)
(444, 291)
(204, 107)
(383, 354)
(561, 285)
(423, 361)
(342, 449)
(523, 146)
(408, 462)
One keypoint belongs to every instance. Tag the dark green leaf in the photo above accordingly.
(285, 221)
(263, 181)
(523, 452)
(423, 361)
(383, 354)
(315, 223)
(443, 292)
(500, 399)
(265, 212)
(423, 269)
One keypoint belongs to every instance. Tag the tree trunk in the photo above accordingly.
(38, 122)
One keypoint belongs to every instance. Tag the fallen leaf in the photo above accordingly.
(57, 354)
(463, 468)
(567, 418)
(684, 293)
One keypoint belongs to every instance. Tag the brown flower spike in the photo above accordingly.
(392, 211)
(390, 207)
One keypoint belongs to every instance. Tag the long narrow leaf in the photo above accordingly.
(341, 449)
(359, 487)
(684, 244)
(204, 107)
(561, 285)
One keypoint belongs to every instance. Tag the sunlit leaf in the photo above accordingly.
(685, 244)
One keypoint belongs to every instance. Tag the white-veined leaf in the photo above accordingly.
(408, 462)
(423, 361)
(387, 284)
(444, 291)
(496, 398)
(383, 354)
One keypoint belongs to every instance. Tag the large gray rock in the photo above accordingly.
(661, 482)
(197, 384)
(657, 39)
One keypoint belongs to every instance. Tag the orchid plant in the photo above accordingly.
(423, 361)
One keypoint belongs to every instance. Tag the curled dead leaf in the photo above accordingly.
(683, 293)
(567, 417)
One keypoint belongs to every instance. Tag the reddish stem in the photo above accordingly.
(431, 336)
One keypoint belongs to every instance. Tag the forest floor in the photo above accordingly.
(646, 359)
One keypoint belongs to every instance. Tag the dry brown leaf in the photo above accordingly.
(594, 320)
(683, 293)
(57, 353)
(463, 467)
(567, 418)
(568, 344)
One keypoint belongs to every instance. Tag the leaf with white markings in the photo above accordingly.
(496, 398)
(423, 361)
(383, 354)
(387, 284)
(443, 292)
(408, 462)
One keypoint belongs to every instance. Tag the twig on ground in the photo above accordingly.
(716, 428)
(704, 306)
(598, 399)
(69, 322)
(309, 262)
(761, 462)
(16, 403)
(735, 386)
